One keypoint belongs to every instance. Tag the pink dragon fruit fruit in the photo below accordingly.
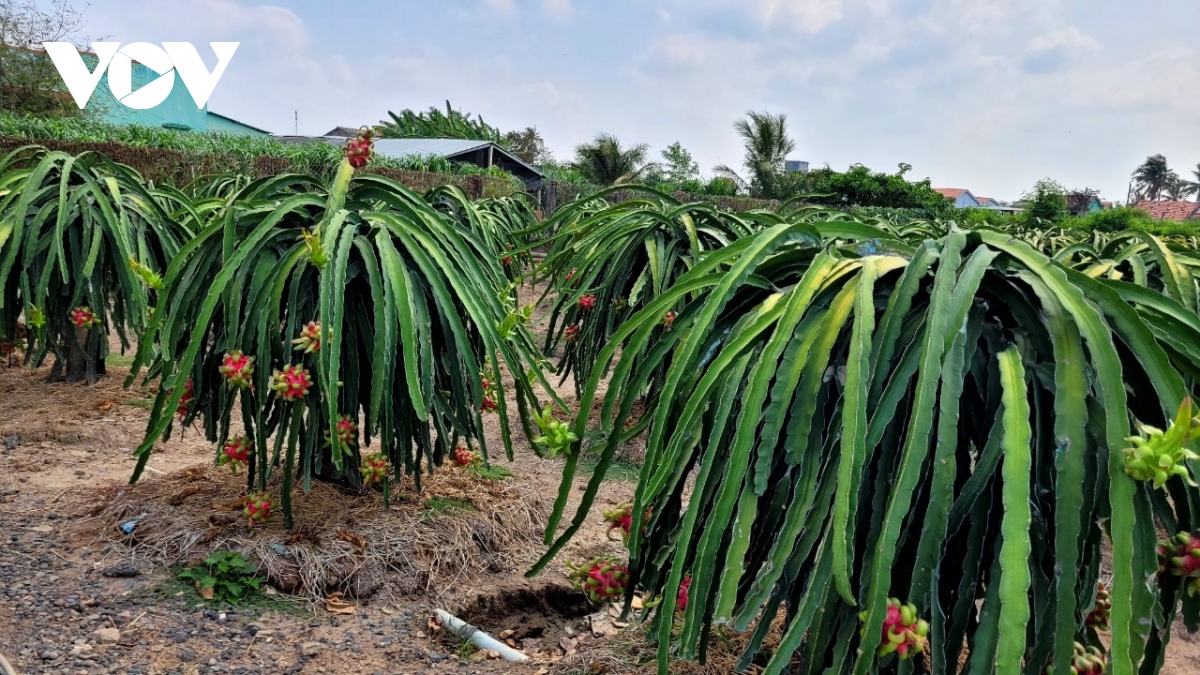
(1186, 559)
(185, 401)
(360, 149)
(1098, 617)
(310, 338)
(236, 453)
(375, 468)
(292, 383)
(571, 334)
(587, 302)
(1085, 661)
(668, 319)
(903, 633)
(463, 456)
(238, 369)
(601, 579)
(347, 434)
(489, 402)
(620, 518)
(258, 507)
(681, 598)
(506, 260)
(83, 317)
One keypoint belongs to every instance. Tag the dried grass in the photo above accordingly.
(343, 541)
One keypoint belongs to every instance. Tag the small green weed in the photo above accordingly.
(224, 576)
(436, 505)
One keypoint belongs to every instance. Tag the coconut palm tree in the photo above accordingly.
(604, 162)
(767, 146)
(1180, 188)
(1153, 177)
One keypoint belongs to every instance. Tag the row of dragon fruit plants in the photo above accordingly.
(900, 442)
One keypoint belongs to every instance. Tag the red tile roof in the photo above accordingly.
(949, 193)
(1169, 210)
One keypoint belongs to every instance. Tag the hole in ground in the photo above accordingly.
(537, 616)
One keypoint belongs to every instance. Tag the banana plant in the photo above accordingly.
(335, 318)
(83, 241)
(900, 454)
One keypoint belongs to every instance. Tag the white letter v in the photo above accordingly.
(199, 82)
(75, 75)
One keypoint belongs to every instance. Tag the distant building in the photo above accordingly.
(1170, 210)
(962, 198)
(343, 132)
(987, 202)
(795, 166)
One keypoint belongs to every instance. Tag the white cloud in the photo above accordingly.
(1068, 38)
(558, 8)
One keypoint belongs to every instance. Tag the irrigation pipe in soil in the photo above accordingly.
(480, 639)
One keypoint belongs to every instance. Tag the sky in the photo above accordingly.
(988, 95)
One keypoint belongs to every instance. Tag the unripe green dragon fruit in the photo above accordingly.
(556, 436)
(1085, 661)
(1157, 455)
(903, 632)
(148, 276)
(236, 453)
(620, 518)
(238, 369)
(347, 435)
(84, 317)
(1098, 617)
(258, 507)
(375, 468)
(310, 338)
(600, 579)
(292, 383)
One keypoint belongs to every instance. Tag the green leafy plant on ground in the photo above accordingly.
(928, 444)
(224, 576)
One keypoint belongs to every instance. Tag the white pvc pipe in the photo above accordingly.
(6, 667)
(480, 639)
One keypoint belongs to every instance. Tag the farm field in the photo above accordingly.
(276, 424)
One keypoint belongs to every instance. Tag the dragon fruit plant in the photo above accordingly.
(1085, 661)
(375, 469)
(238, 369)
(309, 341)
(292, 383)
(1101, 609)
(235, 453)
(903, 631)
(258, 507)
(1157, 455)
(601, 579)
(84, 317)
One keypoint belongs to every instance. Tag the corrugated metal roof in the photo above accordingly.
(425, 147)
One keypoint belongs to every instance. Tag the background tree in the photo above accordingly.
(767, 146)
(859, 186)
(1179, 188)
(1080, 201)
(1047, 202)
(1152, 178)
(677, 165)
(29, 82)
(604, 162)
(529, 145)
(436, 123)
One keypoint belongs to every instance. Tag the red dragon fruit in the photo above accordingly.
(310, 338)
(375, 468)
(1098, 617)
(258, 507)
(571, 334)
(359, 150)
(463, 456)
(185, 401)
(292, 383)
(347, 434)
(587, 302)
(238, 369)
(681, 598)
(1085, 661)
(1180, 556)
(668, 319)
(236, 453)
(489, 402)
(601, 579)
(620, 518)
(84, 317)
(506, 260)
(903, 633)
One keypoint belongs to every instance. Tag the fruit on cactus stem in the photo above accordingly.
(620, 518)
(238, 369)
(1085, 661)
(571, 334)
(83, 317)
(1098, 617)
(587, 302)
(258, 507)
(1180, 556)
(506, 260)
(360, 149)
(185, 401)
(149, 277)
(1157, 455)
(668, 319)
(903, 632)
(310, 338)
(464, 456)
(36, 317)
(600, 579)
(316, 252)
(235, 453)
(375, 468)
(489, 402)
(292, 383)
(681, 598)
(347, 434)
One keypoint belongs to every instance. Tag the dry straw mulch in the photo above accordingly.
(342, 541)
